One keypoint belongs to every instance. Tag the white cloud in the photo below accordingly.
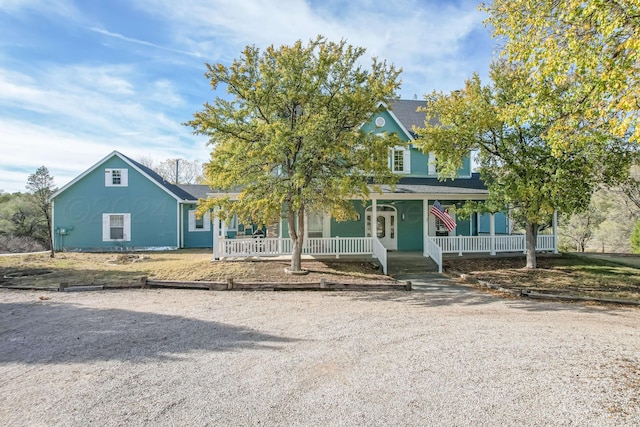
(67, 118)
(142, 42)
(424, 38)
(68, 115)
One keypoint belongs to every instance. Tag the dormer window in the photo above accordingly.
(116, 177)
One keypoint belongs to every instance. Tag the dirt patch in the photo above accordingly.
(564, 274)
(123, 269)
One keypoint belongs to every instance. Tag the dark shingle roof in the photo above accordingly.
(176, 190)
(197, 191)
(406, 111)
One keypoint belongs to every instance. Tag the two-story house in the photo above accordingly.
(119, 204)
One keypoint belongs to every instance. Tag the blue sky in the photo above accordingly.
(79, 79)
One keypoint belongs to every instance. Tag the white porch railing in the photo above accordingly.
(260, 247)
(491, 244)
(433, 251)
(380, 252)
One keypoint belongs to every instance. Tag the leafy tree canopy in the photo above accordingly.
(289, 140)
(587, 52)
(514, 159)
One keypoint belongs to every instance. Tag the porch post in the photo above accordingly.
(374, 220)
(555, 231)
(216, 235)
(425, 225)
(280, 236)
(492, 232)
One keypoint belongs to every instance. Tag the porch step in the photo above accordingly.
(410, 265)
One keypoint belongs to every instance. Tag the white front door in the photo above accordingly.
(386, 228)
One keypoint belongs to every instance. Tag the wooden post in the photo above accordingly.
(555, 231)
(61, 287)
(229, 283)
(374, 221)
(143, 282)
(216, 235)
(492, 232)
(425, 225)
(323, 283)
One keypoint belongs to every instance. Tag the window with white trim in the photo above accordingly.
(199, 224)
(315, 225)
(116, 177)
(116, 227)
(433, 170)
(400, 161)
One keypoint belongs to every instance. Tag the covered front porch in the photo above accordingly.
(393, 224)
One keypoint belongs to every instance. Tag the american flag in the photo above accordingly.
(439, 212)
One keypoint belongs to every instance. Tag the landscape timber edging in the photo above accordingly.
(526, 293)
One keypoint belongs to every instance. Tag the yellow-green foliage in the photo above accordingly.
(519, 167)
(288, 138)
(588, 49)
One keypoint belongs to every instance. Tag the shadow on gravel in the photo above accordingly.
(65, 333)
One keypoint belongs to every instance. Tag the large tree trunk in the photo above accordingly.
(531, 239)
(297, 238)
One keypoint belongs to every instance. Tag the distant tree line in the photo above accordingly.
(608, 223)
(25, 218)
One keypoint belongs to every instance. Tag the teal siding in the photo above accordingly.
(463, 227)
(484, 226)
(419, 160)
(351, 228)
(420, 165)
(79, 209)
(195, 239)
(390, 126)
(465, 170)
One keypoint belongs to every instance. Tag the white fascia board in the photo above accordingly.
(98, 164)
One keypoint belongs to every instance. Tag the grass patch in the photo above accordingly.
(188, 265)
(566, 274)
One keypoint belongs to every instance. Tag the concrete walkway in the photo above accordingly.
(434, 283)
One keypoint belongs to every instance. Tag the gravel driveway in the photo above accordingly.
(176, 357)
